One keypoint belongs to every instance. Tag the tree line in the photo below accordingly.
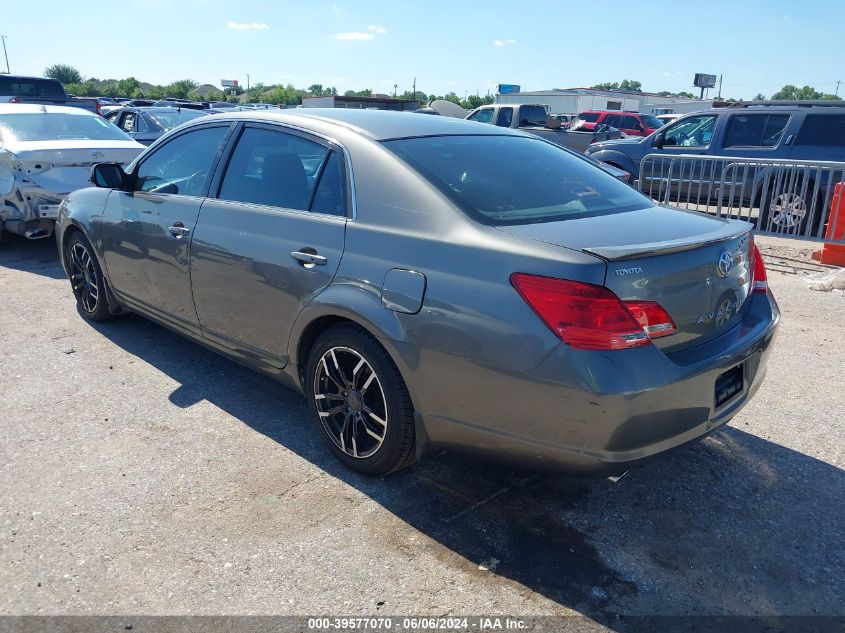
(787, 93)
(279, 94)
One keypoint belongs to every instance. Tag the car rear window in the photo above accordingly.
(21, 87)
(532, 115)
(33, 126)
(503, 180)
(169, 119)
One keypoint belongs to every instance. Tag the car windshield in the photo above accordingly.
(52, 126)
(590, 117)
(652, 121)
(515, 180)
(172, 117)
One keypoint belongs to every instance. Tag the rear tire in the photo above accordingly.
(86, 279)
(788, 212)
(359, 401)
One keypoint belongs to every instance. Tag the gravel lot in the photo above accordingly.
(142, 474)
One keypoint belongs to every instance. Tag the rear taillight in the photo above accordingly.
(652, 317)
(587, 316)
(14, 100)
(759, 278)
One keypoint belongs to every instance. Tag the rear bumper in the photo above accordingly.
(591, 413)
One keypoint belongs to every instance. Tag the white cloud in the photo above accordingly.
(355, 36)
(378, 29)
(501, 43)
(247, 26)
(498, 43)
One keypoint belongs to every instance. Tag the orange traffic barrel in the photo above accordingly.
(834, 254)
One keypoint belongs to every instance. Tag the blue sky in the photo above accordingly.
(463, 46)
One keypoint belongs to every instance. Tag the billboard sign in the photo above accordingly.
(505, 89)
(704, 81)
(229, 83)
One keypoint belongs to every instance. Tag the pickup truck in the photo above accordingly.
(41, 91)
(534, 119)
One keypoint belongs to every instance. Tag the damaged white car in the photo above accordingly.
(45, 153)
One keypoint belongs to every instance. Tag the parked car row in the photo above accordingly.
(534, 119)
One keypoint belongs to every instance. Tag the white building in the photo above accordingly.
(575, 100)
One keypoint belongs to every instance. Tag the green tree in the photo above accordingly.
(625, 84)
(64, 73)
(760, 97)
(790, 92)
(180, 89)
(127, 87)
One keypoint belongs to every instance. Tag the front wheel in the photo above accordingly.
(359, 401)
(86, 279)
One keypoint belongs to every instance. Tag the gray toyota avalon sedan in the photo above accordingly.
(427, 281)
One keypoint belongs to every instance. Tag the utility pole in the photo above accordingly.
(395, 87)
(835, 94)
(415, 88)
(247, 82)
(6, 54)
(719, 96)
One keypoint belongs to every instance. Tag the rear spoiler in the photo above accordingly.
(731, 230)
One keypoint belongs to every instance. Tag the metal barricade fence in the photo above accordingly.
(788, 198)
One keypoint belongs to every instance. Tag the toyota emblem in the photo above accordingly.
(726, 263)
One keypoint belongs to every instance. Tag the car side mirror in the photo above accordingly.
(108, 175)
(659, 140)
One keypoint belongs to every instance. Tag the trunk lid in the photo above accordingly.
(64, 166)
(693, 265)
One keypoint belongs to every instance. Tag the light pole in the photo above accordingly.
(6, 55)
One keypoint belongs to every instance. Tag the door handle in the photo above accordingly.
(307, 259)
(178, 230)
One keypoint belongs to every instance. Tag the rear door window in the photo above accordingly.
(755, 130)
(822, 130)
(630, 123)
(505, 117)
(274, 168)
(613, 120)
(589, 117)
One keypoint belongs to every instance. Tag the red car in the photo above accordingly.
(631, 123)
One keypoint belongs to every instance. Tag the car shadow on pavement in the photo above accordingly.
(34, 256)
(732, 525)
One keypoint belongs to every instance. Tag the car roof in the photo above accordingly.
(379, 125)
(34, 108)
